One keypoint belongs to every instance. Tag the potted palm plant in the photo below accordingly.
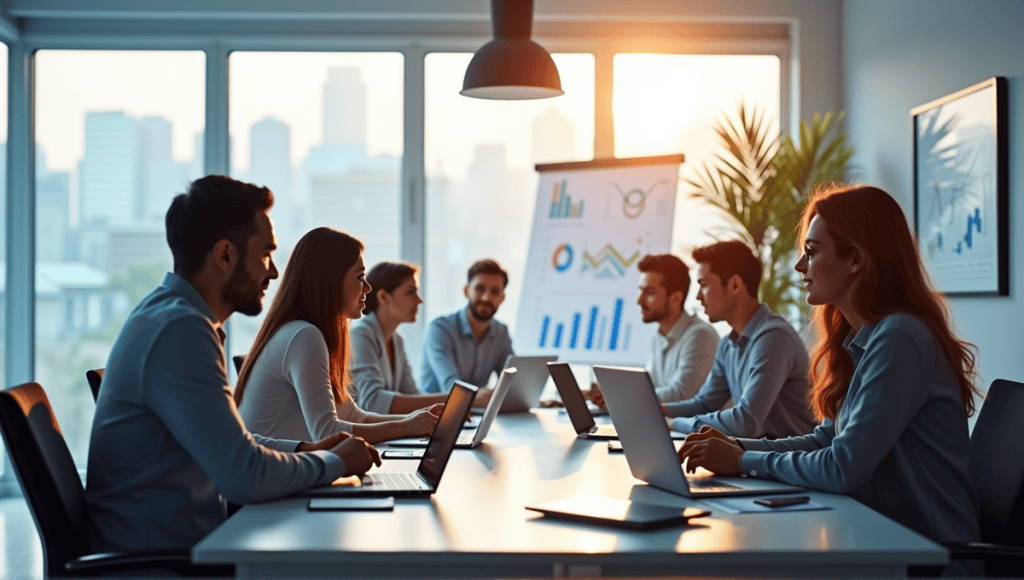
(762, 183)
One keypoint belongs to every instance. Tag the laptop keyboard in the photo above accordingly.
(706, 484)
(391, 480)
(605, 431)
(464, 440)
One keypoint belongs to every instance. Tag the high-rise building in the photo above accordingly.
(270, 147)
(109, 189)
(162, 178)
(52, 215)
(344, 107)
(270, 151)
(362, 203)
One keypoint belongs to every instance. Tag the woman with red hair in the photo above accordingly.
(892, 385)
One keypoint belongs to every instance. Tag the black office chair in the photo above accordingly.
(94, 378)
(239, 360)
(55, 496)
(997, 472)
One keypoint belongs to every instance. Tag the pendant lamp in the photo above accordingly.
(512, 67)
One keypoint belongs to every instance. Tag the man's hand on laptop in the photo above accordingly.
(422, 421)
(323, 444)
(483, 397)
(594, 395)
(358, 455)
(711, 450)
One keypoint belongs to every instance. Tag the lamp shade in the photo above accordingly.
(512, 66)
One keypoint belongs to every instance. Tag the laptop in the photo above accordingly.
(424, 480)
(471, 440)
(650, 453)
(531, 375)
(576, 406)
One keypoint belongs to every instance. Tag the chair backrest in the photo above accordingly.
(95, 378)
(47, 474)
(239, 360)
(997, 463)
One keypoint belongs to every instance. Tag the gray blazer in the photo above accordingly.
(374, 381)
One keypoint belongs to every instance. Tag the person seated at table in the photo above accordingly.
(761, 365)
(380, 370)
(469, 344)
(892, 383)
(167, 447)
(295, 379)
(683, 350)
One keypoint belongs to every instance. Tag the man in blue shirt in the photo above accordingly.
(683, 350)
(468, 345)
(761, 366)
(168, 446)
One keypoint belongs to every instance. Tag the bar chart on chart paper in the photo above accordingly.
(589, 329)
(591, 228)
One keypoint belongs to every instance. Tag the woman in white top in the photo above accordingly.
(295, 383)
(380, 370)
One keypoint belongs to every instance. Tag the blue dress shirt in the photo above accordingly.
(900, 442)
(764, 371)
(451, 352)
(167, 443)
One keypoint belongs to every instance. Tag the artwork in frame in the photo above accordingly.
(961, 189)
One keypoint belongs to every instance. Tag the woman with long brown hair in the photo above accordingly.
(295, 382)
(891, 383)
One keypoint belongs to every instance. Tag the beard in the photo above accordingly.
(651, 315)
(243, 293)
(482, 310)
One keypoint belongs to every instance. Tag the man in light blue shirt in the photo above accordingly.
(468, 345)
(167, 445)
(761, 366)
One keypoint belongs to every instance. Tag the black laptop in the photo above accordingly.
(424, 480)
(576, 406)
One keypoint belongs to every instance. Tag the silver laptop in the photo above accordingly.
(424, 480)
(531, 375)
(576, 406)
(650, 453)
(471, 440)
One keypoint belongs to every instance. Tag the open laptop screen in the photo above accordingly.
(572, 397)
(442, 440)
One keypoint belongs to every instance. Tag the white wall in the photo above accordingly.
(902, 53)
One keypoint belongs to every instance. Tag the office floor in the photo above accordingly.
(21, 556)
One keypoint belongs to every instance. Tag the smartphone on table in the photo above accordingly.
(782, 501)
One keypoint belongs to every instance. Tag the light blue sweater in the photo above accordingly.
(900, 442)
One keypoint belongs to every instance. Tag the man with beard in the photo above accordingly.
(684, 349)
(168, 447)
(468, 345)
(761, 365)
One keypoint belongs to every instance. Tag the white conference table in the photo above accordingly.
(476, 526)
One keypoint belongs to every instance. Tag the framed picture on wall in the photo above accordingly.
(961, 189)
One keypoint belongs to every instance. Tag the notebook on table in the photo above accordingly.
(423, 481)
(576, 406)
(643, 431)
(531, 374)
(471, 440)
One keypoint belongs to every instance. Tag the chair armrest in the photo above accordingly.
(179, 561)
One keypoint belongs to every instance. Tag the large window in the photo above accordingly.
(481, 183)
(669, 103)
(118, 135)
(324, 132)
